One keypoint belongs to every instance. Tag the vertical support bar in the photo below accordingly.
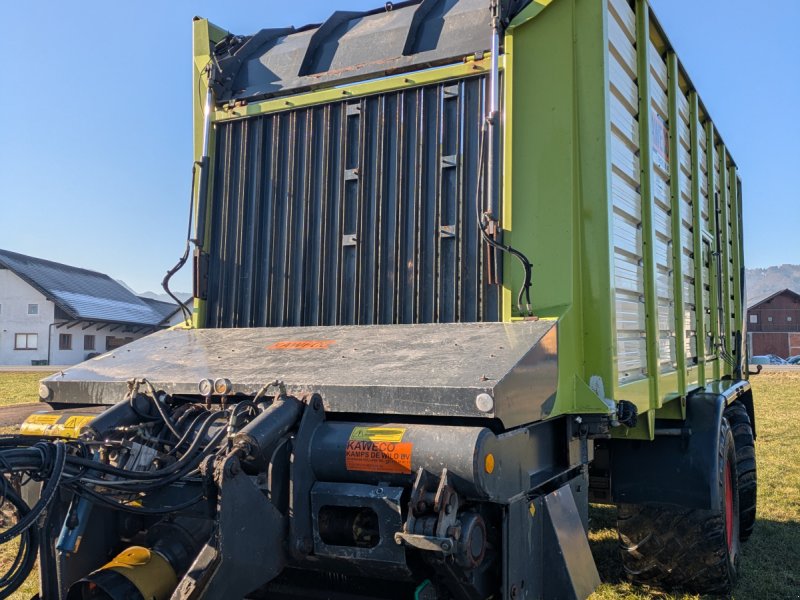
(506, 170)
(675, 212)
(724, 256)
(743, 285)
(735, 248)
(715, 283)
(493, 116)
(204, 37)
(697, 239)
(646, 192)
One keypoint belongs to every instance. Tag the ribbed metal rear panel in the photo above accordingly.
(625, 196)
(355, 212)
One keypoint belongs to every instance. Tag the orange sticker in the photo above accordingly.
(378, 457)
(302, 345)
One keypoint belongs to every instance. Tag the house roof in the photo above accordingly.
(165, 309)
(80, 293)
(764, 299)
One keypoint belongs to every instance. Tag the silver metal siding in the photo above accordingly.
(625, 197)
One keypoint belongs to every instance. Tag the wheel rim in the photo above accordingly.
(728, 505)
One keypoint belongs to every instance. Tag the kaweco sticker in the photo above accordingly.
(378, 450)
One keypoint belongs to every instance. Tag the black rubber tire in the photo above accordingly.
(739, 420)
(672, 547)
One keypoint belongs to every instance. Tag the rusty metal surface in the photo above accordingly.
(428, 370)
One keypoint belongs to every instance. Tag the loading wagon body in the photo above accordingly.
(484, 260)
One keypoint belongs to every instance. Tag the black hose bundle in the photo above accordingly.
(23, 563)
(182, 260)
(183, 434)
(48, 460)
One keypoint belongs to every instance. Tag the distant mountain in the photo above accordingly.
(183, 296)
(763, 282)
(126, 286)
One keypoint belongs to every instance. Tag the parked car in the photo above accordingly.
(767, 359)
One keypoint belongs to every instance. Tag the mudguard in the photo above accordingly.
(680, 466)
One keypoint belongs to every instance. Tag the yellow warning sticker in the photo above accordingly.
(77, 421)
(43, 418)
(56, 424)
(378, 434)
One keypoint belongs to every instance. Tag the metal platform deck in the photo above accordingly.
(427, 370)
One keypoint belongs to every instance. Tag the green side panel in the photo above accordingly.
(740, 286)
(723, 257)
(697, 239)
(738, 327)
(594, 214)
(675, 199)
(736, 262)
(713, 183)
(646, 191)
(556, 186)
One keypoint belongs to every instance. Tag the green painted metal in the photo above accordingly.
(736, 256)
(740, 282)
(467, 68)
(677, 246)
(712, 178)
(697, 234)
(204, 36)
(646, 192)
(548, 174)
(530, 11)
(724, 256)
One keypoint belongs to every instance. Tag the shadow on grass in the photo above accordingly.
(770, 562)
(769, 565)
(603, 541)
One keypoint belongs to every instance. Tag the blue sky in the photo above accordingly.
(95, 147)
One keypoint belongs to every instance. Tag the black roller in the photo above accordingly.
(365, 453)
(259, 438)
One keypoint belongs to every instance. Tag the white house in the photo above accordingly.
(56, 314)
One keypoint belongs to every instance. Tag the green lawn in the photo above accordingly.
(770, 564)
(17, 387)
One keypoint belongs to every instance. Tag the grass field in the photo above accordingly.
(770, 562)
(18, 387)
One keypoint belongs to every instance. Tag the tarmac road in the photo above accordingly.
(16, 414)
